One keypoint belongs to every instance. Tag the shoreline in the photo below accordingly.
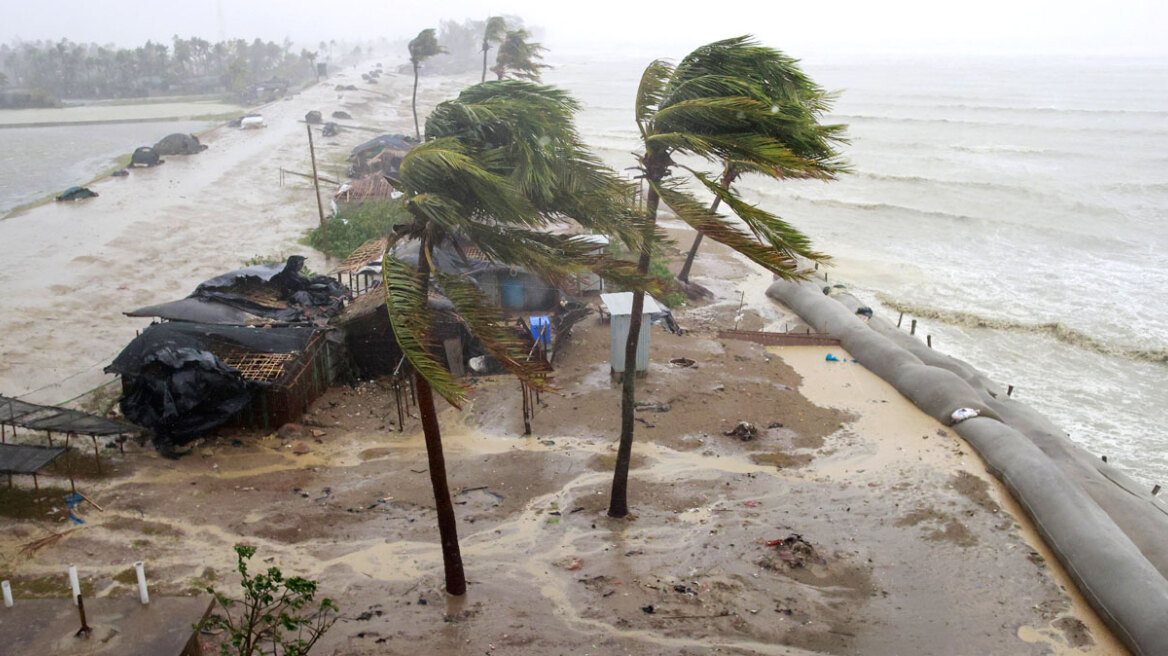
(915, 551)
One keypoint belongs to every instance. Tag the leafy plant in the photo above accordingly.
(356, 225)
(275, 616)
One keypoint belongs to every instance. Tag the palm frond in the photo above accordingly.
(651, 91)
(767, 227)
(424, 46)
(717, 227)
(412, 320)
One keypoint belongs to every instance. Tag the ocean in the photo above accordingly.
(1015, 207)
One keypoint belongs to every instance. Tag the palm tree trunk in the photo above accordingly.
(618, 505)
(414, 107)
(485, 48)
(728, 176)
(447, 529)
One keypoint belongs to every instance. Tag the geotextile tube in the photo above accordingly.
(1111, 536)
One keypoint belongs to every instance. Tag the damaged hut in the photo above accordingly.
(380, 155)
(523, 295)
(249, 347)
(179, 144)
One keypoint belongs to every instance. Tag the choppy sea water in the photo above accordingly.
(1015, 207)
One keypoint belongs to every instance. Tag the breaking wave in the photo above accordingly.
(888, 207)
(1055, 329)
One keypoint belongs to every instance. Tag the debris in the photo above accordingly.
(682, 362)
(744, 431)
(961, 414)
(571, 563)
(649, 610)
(313, 117)
(832, 358)
(753, 504)
(775, 424)
(650, 406)
(647, 424)
(794, 552)
(300, 449)
(76, 193)
(32, 547)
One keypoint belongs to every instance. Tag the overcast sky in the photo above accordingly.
(1039, 27)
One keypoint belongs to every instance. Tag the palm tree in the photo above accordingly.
(790, 92)
(707, 106)
(493, 33)
(518, 57)
(499, 164)
(422, 47)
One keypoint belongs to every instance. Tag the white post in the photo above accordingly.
(74, 583)
(142, 592)
(7, 593)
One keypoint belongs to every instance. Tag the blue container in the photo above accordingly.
(541, 329)
(512, 292)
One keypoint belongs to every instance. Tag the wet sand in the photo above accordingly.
(896, 539)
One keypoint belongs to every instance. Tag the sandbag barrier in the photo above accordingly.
(1110, 537)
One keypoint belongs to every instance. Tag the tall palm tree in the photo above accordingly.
(789, 91)
(422, 47)
(708, 107)
(499, 165)
(494, 32)
(519, 57)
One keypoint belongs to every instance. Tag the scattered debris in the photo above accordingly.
(31, 548)
(571, 563)
(76, 193)
(744, 431)
(793, 552)
(651, 406)
(961, 414)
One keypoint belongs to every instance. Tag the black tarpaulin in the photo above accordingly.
(177, 384)
(264, 293)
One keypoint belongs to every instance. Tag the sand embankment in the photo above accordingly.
(98, 114)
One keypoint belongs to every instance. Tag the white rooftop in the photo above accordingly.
(622, 303)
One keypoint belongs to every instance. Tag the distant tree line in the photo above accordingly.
(463, 44)
(40, 71)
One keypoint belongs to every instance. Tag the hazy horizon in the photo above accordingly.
(1129, 28)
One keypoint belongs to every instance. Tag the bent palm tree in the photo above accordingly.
(518, 57)
(709, 106)
(494, 32)
(422, 47)
(499, 164)
(790, 92)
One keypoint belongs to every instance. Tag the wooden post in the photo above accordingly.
(929, 340)
(50, 434)
(84, 630)
(316, 186)
(35, 485)
(899, 319)
(1010, 390)
(96, 455)
(913, 328)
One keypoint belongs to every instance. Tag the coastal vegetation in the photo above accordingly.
(421, 47)
(39, 72)
(519, 57)
(498, 164)
(493, 33)
(717, 104)
(354, 225)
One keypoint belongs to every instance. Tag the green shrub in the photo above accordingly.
(356, 225)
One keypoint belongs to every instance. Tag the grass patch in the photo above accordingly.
(356, 225)
(27, 503)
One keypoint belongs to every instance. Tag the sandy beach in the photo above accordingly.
(897, 541)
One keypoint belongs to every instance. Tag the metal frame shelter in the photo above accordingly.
(50, 419)
(27, 459)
